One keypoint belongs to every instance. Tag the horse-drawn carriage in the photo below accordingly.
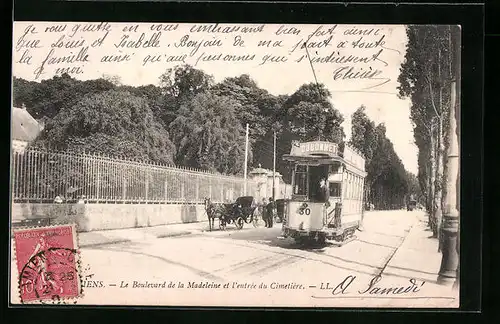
(243, 211)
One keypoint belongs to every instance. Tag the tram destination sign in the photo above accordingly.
(314, 148)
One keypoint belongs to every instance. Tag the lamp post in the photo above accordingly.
(448, 273)
(274, 165)
(246, 163)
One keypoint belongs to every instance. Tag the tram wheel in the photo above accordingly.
(300, 240)
(321, 240)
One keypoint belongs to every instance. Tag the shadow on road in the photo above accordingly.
(138, 249)
(269, 237)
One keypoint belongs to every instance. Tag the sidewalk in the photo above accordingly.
(96, 238)
(418, 256)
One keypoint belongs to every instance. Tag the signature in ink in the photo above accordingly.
(354, 73)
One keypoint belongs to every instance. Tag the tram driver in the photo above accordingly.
(323, 190)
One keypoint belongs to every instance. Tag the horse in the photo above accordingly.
(214, 211)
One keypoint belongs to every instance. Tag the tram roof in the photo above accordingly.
(323, 159)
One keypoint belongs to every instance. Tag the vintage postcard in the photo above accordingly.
(235, 165)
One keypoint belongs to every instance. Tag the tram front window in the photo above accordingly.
(318, 183)
(300, 180)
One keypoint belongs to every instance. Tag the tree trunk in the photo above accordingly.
(428, 195)
(439, 179)
(432, 191)
(440, 156)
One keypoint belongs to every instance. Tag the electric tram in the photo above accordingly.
(327, 198)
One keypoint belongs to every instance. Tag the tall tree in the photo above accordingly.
(311, 115)
(185, 81)
(424, 78)
(208, 135)
(364, 137)
(308, 115)
(387, 183)
(258, 108)
(45, 99)
(115, 123)
(179, 85)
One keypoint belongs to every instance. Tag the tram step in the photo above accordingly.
(340, 243)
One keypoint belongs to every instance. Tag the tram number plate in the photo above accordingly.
(304, 211)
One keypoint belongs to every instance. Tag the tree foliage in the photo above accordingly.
(177, 86)
(47, 98)
(425, 78)
(307, 115)
(387, 182)
(190, 120)
(208, 135)
(114, 123)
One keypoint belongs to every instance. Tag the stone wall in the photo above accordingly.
(91, 217)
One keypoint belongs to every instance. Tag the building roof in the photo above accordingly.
(263, 171)
(24, 126)
(259, 171)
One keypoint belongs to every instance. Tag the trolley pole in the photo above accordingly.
(274, 165)
(448, 274)
(246, 162)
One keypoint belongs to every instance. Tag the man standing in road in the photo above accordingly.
(262, 207)
(270, 213)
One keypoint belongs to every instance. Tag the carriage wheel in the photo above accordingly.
(239, 223)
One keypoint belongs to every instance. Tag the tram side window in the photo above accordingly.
(354, 187)
(360, 189)
(300, 180)
(335, 189)
(346, 186)
(349, 196)
(357, 188)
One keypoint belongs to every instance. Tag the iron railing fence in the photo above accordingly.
(42, 176)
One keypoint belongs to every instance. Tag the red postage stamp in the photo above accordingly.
(47, 263)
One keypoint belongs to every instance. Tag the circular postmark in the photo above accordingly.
(50, 274)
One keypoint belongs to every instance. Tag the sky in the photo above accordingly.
(281, 68)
